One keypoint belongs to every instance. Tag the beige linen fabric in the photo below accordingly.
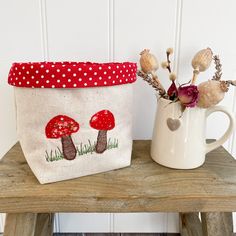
(36, 107)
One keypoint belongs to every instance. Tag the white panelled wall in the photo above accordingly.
(116, 30)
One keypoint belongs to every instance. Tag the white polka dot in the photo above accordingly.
(105, 82)
(79, 69)
(99, 67)
(24, 77)
(95, 83)
(14, 73)
(109, 67)
(117, 76)
(19, 73)
(123, 66)
(16, 68)
(52, 76)
(132, 70)
(90, 68)
(58, 70)
(117, 67)
(126, 80)
(69, 80)
(63, 85)
(128, 74)
(113, 81)
(109, 77)
(42, 76)
(47, 81)
(74, 74)
(85, 84)
(47, 71)
(113, 72)
(85, 74)
(36, 71)
(42, 86)
(80, 79)
(120, 81)
(42, 67)
(63, 75)
(129, 65)
(74, 85)
(32, 86)
(104, 72)
(58, 81)
(100, 78)
(37, 82)
(123, 75)
(27, 72)
(63, 65)
(74, 64)
(32, 67)
(53, 86)
(27, 82)
(52, 65)
(32, 77)
(23, 67)
(90, 78)
(127, 70)
(16, 78)
(95, 73)
(69, 69)
(19, 83)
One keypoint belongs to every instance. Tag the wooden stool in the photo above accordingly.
(143, 187)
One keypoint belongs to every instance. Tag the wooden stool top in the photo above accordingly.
(143, 187)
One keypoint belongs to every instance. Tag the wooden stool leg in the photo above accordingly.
(190, 224)
(20, 224)
(217, 224)
(44, 224)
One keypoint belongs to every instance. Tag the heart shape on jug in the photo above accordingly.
(173, 124)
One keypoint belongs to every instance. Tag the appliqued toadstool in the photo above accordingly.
(62, 126)
(103, 121)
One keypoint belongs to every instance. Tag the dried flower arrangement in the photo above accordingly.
(205, 95)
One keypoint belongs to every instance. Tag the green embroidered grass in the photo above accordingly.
(82, 149)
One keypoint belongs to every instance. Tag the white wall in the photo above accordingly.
(107, 30)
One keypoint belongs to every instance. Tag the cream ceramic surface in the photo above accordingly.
(179, 139)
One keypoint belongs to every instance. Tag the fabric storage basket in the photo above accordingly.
(73, 119)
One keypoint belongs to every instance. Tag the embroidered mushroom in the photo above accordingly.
(103, 121)
(62, 126)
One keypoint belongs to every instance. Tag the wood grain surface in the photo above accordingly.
(143, 187)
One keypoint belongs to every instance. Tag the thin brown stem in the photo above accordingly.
(168, 61)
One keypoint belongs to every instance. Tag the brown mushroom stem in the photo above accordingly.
(68, 147)
(101, 141)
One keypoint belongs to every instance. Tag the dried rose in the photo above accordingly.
(188, 95)
(172, 91)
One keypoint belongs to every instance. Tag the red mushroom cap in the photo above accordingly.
(103, 120)
(61, 126)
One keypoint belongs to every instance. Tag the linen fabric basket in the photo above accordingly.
(73, 118)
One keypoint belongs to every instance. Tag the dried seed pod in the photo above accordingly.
(148, 62)
(172, 76)
(211, 93)
(169, 51)
(164, 64)
(202, 60)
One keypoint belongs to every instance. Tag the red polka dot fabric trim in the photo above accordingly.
(71, 74)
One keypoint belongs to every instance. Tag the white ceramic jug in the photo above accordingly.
(179, 138)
